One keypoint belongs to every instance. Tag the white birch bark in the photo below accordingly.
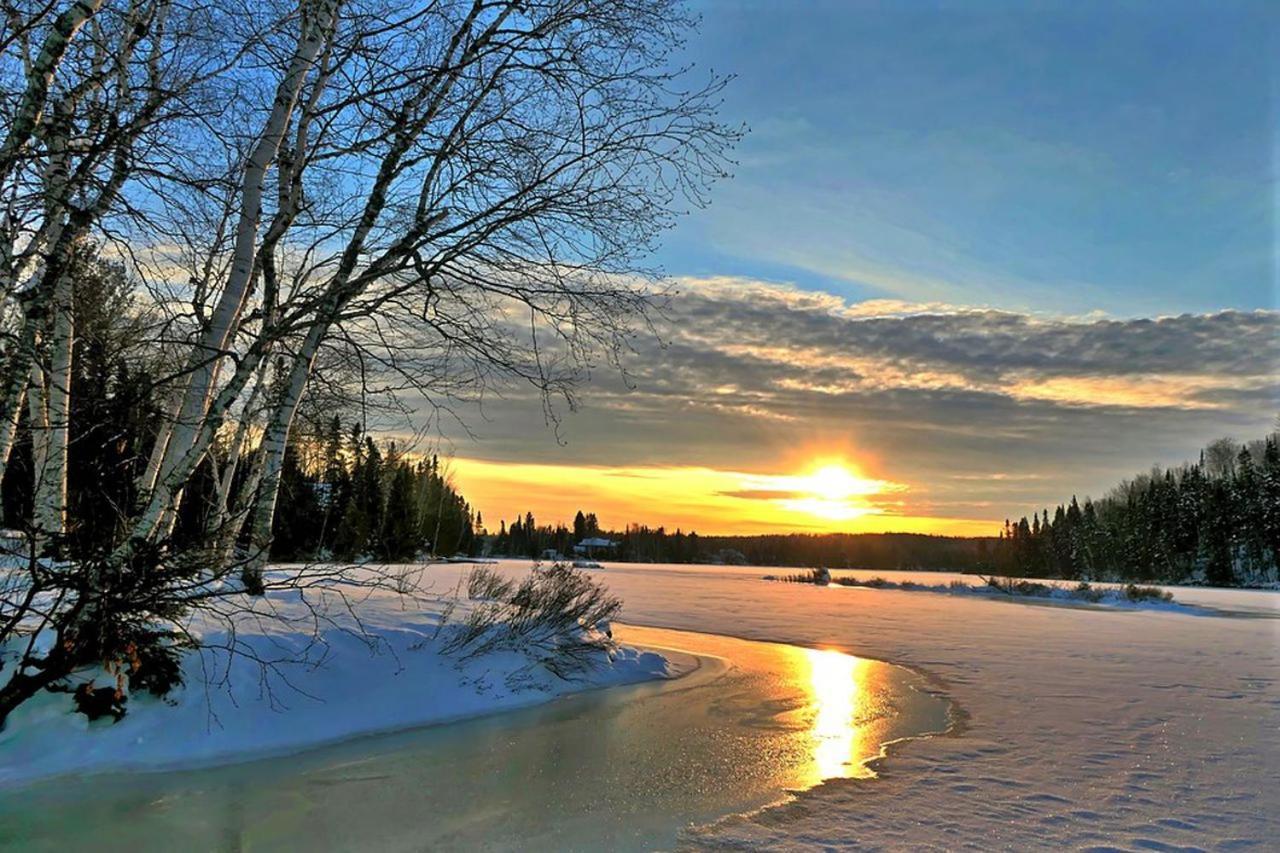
(15, 388)
(40, 76)
(224, 522)
(207, 353)
(41, 300)
(50, 507)
(274, 441)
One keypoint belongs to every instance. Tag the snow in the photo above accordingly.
(1087, 727)
(1041, 591)
(390, 675)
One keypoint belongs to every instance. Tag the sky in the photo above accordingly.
(974, 258)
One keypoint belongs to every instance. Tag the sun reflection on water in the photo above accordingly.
(838, 695)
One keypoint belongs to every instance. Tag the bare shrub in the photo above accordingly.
(558, 617)
(484, 584)
(1017, 586)
(818, 577)
(1133, 592)
(1087, 592)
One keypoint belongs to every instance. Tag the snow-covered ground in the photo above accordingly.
(1088, 728)
(387, 673)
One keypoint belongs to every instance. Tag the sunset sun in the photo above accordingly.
(835, 482)
(832, 491)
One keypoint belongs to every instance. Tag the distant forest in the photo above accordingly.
(344, 496)
(638, 543)
(1214, 521)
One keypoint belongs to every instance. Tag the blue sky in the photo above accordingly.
(1059, 157)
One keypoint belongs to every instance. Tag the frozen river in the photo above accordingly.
(624, 768)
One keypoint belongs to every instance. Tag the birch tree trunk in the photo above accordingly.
(207, 353)
(50, 507)
(39, 77)
(41, 300)
(17, 370)
(274, 442)
(38, 423)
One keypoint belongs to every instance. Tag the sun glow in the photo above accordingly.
(833, 492)
(708, 500)
(836, 483)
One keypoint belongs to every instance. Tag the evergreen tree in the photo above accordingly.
(1215, 520)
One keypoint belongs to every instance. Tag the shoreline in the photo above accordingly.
(321, 690)
(707, 687)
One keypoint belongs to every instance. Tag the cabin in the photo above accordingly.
(593, 546)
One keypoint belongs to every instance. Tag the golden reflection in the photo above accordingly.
(838, 694)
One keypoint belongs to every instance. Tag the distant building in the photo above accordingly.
(594, 545)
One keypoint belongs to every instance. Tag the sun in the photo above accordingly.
(832, 491)
(834, 482)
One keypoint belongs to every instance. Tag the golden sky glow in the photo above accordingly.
(827, 495)
(773, 408)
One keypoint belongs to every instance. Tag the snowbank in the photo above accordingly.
(1124, 596)
(345, 679)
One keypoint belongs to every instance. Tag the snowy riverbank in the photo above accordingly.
(1121, 596)
(321, 683)
(1086, 728)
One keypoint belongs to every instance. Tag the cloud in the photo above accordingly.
(776, 342)
(978, 413)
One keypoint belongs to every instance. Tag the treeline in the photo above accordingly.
(1214, 521)
(342, 495)
(525, 538)
(643, 544)
(345, 497)
(857, 550)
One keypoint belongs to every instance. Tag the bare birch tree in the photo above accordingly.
(457, 192)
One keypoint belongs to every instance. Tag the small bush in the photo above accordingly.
(1087, 592)
(1016, 586)
(559, 617)
(156, 665)
(99, 702)
(959, 586)
(484, 584)
(1136, 593)
(818, 577)
(876, 583)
